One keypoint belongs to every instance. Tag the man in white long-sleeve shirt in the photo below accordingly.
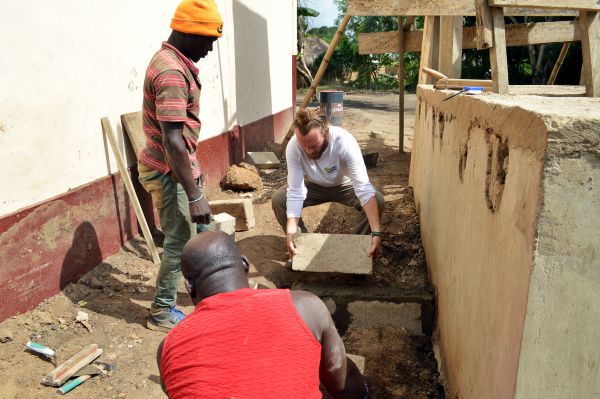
(325, 164)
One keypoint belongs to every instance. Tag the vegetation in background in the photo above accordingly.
(527, 65)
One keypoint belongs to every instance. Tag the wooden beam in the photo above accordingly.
(590, 5)
(590, 48)
(427, 49)
(516, 35)
(439, 7)
(450, 50)
(485, 35)
(498, 59)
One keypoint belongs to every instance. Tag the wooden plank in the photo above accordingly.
(516, 35)
(107, 129)
(62, 373)
(484, 25)
(438, 7)
(132, 124)
(453, 83)
(426, 48)
(591, 5)
(498, 59)
(590, 48)
(450, 51)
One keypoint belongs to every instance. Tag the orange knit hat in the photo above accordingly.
(198, 17)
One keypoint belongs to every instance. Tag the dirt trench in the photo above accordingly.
(116, 294)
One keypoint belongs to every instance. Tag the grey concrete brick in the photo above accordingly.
(241, 209)
(225, 222)
(341, 253)
(375, 313)
(262, 160)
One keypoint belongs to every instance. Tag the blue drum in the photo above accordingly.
(332, 106)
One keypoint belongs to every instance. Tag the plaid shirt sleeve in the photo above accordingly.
(171, 96)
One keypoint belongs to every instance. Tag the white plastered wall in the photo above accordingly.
(65, 64)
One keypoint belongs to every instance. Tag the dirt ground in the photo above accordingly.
(117, 293)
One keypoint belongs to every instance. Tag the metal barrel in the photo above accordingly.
(332, 106)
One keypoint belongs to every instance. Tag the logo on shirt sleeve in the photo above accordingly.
(330, 170)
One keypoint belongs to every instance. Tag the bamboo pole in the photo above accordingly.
(559, 62)
(106, 127)
(320, 73)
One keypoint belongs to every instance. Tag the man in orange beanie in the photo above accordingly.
(168, 167)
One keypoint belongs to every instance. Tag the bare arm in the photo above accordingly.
(338, 374)
(372, 211)
(158, 361)
(177, 157)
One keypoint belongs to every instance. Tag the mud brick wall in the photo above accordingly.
(507, 193)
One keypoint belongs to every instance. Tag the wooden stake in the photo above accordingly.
(589, 23)
(107, 129)
(559, 62)
(426, 48)
(319, 74)
(401, 85)
(498, 59)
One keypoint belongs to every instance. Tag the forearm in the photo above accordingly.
(372, 211)
(292, 226)
(178, 159)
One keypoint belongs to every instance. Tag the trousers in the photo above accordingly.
(343, 194)
(171, 202)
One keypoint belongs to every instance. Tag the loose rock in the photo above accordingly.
(242, 178)
(5, 336)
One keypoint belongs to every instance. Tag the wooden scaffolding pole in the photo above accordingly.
(559, 62)
(319, 75)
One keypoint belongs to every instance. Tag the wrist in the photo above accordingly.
(196, 199)
(377, 234)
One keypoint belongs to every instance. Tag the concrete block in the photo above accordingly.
(358, 360)
(340, 253)
(375, 313)
(225, 222)
(263, 160)
(241, 209)
(378, 135)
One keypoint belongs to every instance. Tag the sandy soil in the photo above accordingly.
(117, 293)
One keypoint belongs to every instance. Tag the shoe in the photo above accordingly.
(165, 320)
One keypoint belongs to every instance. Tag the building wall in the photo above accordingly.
(491, 219)
(66, 65)
(562, 327)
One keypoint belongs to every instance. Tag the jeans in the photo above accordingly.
(344, 194)
(171, 202)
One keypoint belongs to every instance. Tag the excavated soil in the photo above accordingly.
(117, 293)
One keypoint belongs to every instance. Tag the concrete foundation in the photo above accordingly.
(507, 194)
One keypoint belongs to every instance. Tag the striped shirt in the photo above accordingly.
(171, 94)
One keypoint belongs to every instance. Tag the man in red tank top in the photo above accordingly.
(245, 343)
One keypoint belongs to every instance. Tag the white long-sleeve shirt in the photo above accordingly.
(341, 162)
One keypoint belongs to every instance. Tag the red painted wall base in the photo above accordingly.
(46, 246)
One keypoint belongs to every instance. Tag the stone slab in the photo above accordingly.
(375, 313)
(337, 253)
(358, 360)
(263, 160)
(225, 222)
(241, 209)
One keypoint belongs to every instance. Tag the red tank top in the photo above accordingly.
(242, 344)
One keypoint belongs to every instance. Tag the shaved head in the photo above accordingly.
(211, 263)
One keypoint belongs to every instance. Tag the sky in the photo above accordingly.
(328, 13)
